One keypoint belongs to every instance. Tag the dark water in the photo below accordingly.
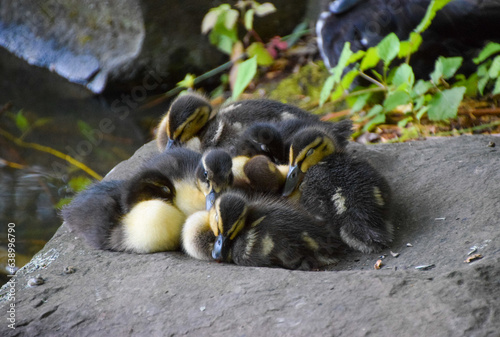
(98, 131)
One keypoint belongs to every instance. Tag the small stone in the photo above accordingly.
(409, 245)
(378, 264)
(69, 270)
(202, 308)
(36, 281)
(394, 254)
(491, 144)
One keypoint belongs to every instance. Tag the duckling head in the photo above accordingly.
(227, 219)
(262, 138)
(214, 174)
(308, 148)
(147, 185)
(187, 115)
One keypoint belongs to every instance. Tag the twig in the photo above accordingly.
(53, 152)
(370, 79)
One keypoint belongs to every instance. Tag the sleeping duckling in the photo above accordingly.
(269, 232)
(346, 192)
(273, 139)
(135, 216)
(218, 172)
(145, 213)
(197, 236)
(185, 122)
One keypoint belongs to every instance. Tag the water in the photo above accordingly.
(62, 117)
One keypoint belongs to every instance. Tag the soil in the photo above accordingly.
(446, 205)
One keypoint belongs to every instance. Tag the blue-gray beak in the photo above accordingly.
(210, 199)
(292, 180)
(217, 252)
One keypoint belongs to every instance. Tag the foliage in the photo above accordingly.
(434, 97)
(222, 24)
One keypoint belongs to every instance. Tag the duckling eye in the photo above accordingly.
(310, 152)
(205, 174)
(166, 190)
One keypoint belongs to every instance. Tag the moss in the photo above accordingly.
(307, 82)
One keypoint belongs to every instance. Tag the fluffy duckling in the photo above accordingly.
(197, 236)
(273, 139)
(145, 213)
(269, 232)
(185, 122)
(218, 172)
(347, 193)
(135, 216)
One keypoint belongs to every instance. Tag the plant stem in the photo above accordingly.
(371, 79)
(359, 92)
(51, 151)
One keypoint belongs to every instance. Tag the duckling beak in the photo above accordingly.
(210, 199)
(218, 252)
(170, 144)
(292, 180)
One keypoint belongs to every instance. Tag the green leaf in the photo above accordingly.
(249, 19)
(422, 111)
(496, 90)
(494, 68)
(187, 82)
(349, 78)
(263, 57)
(434, 6)
(411, 45)
(445, 67)
(360, 102)
(420, 88)
(374, 111)
(404, 77)
(370, 60)
(395, 99)
(230, 18)
(210, 19)
(264, 9)
(246, 72)
(402, 123)
(445, 104)
(21, 121)
(326, 90)
(356, 56)
(481, 84)
(490, 49)
(388, 48)
(344, 57)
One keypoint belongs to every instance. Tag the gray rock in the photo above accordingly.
(94, 42)
(446, 201)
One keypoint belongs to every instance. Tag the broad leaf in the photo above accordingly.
(370, 60)
(249, 19)
(404, 75)
(395, 99)
(21, 121)
(360, 102)
(490, 49)
(420, 88)
(356, 56)
(246, 72)
(411, 45)
(388, 48)
(259, 50)
(494, 68)
(445, 67)
(445, 104)
(496, 89)
(264, 9)
(230, 18)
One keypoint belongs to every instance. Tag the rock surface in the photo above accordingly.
(447, 200)
(94, 42)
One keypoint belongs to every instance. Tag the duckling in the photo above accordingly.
(269, 232)
(346, 192)
(197, 236)
(184, 122)
(218, 172)
(135, 216)
(145, 213)
(273, 139)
